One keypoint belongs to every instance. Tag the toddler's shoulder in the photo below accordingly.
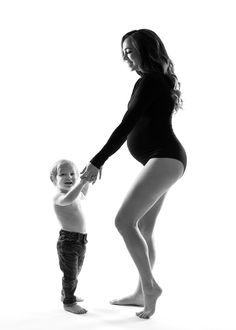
(57, 198)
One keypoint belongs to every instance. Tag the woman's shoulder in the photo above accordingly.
(151, 79)
(153, 76)
(157, 79)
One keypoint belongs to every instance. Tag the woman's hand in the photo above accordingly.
(90, 173)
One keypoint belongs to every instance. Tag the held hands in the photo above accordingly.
(90, 173)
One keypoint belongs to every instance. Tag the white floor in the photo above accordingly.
(101, 315)
(37, 314)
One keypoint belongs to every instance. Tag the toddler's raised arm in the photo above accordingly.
(84, 190)
(70, 196)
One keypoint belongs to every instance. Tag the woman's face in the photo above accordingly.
(131, 55)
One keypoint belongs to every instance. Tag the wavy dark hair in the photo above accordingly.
(154, 58)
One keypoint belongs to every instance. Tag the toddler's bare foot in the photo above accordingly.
(132, 300)
(150, 302)
(76, 309)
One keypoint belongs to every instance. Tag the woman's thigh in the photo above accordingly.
(155, 179)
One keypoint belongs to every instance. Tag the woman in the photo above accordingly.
(147, 128)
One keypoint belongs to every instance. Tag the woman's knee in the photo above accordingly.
(123, 223)
(119, 223)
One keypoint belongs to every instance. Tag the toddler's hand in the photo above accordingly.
(90, 173)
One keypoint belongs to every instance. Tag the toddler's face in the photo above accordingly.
(66, 177)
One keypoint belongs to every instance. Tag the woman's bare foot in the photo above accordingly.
(132, 300)
(150, 297)
(76, 309)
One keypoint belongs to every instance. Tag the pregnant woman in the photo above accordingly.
(147, 127)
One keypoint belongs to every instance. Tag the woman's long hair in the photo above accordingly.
(154, 57)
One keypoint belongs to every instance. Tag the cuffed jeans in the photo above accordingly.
(71, 249)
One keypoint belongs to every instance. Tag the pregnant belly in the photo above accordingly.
(148, 142)
(142, 145)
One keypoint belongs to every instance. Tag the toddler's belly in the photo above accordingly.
(74, 223)
(77, 228)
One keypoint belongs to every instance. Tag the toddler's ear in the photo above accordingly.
(52, 178)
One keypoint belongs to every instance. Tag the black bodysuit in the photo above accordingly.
(147, 124)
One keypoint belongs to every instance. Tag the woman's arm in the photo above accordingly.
(142, 96)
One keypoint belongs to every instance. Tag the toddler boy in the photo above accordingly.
(71, 244)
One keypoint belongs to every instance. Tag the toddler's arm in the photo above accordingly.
(70, 196)
(84, 190)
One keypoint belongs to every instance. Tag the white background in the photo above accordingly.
(64, 88)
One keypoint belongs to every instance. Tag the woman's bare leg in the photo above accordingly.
(145, 225)
(157, 176)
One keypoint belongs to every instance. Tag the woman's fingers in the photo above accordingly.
(90, 173)
(100, 173)
(83, 170)
(93, 178)
(84, 176)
